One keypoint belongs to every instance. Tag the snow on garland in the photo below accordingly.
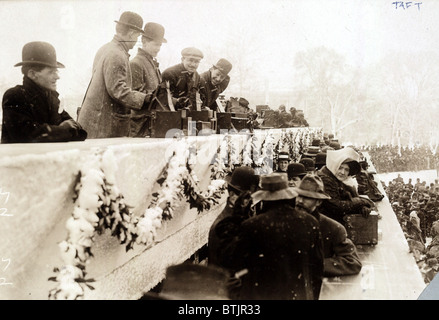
(99, 205)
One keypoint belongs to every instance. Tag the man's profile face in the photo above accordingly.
(45, 78)
(152, 47)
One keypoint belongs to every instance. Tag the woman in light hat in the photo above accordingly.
(341, 166)
(280, 248)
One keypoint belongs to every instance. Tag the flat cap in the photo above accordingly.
(192, 52)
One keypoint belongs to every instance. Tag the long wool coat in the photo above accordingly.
(105, 112)
(30, 114)
(146, 77)
(283, 252)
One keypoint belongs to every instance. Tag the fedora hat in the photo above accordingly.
(39, 53)
(243, 179)
(132, 20)
(296, 169)
(311, 186)
(190, 281)
(273, 187)
(224, 66)
(155, 32)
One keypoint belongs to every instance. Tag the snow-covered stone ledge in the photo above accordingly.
(47, 192)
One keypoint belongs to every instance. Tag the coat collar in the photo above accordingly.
(118, 39)
(34, 89)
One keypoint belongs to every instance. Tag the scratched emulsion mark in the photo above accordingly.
(407, 5)
(367, 278)
(5, 261)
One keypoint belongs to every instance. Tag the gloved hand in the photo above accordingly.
(365, 211)
(181, 103)
(70, 124)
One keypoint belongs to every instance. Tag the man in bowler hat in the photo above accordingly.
(31, 110)
(215, 81)
(242, 180)
(109, 99)
(184, 80)
(340, 254)
(146, 74)
(281, 248)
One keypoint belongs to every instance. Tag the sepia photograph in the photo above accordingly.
(245, 150)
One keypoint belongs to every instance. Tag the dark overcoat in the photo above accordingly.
(283, 252)
(31, 114)
(107, 105)
(341, 256)
(182, 84)
(209, 92)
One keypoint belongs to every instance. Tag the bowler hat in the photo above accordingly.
(192, 52)
(132, 20)
(311, 186)
(296, 169)
(224, 66)
(308, 163)
(190, 281)
(155, 32)
(274, 186)
(243, 102)
(243, 179)
(39, 53)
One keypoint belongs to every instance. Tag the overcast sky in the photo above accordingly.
(268, 32)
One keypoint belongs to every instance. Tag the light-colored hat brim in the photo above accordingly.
(283, 194)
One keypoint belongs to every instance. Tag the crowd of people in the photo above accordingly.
(281, 233)
(388, 158)
(416, 207)
(121, 93)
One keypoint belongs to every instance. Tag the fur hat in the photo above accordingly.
(274, 186)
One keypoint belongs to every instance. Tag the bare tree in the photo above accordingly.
(332, 88)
